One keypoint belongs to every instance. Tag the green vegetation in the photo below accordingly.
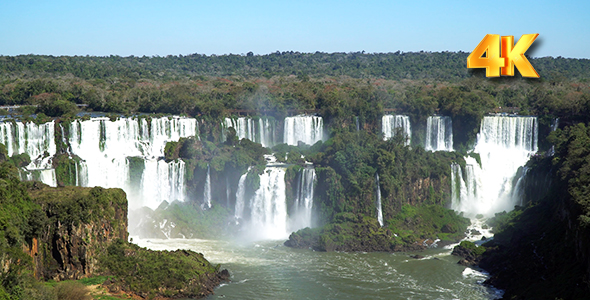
(414, 228)
(150, 274)
(347, 163)
(428, 222)
(471, 247)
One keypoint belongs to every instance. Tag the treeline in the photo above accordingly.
(446, 66)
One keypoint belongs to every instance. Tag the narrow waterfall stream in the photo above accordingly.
(207, 189)
(378, 200)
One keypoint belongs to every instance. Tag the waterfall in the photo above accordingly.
(268, 206)
(439, 133)
(240, 195)
(303, 199)
(554, 126)
(207, 189)
(260, 131)
(378, 201)
(38, 141)
(390, 123)
(356, 121)
(127, 153)
(160, 181)
(504, 145)
(306, 129)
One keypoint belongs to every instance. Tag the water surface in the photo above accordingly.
(269, 270)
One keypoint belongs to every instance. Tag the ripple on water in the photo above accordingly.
(268, 270)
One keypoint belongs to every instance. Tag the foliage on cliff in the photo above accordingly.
(20, 220)
(347, 163)
(169, 274)
(414, 228)
(59, 233)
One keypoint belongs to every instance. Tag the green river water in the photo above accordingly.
(269, 270)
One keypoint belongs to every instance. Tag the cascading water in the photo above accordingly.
(304, 199)
(240, 197)
(504, 144)
(207, 189)
(161, 181)
(38, 141)
(268, 205)
(260, 131)
(439, 133)
(119, 152)
(378, 201)
(390, 123)
(306, 129)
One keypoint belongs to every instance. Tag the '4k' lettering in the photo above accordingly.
(501, 55)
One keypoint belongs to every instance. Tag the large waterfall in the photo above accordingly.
(439, 133)
(38, 141)
(504, 144)
(391, 123)
(128, 151)
(261, 130)
(268, 207)
(306, 129)
(265, 214)
(304, 199)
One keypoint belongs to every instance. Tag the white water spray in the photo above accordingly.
(259, 131)
(439, 133)
(107, 148)
(240, 197)
(38, 141)
(390, 123)
(504, 144)
(306, 129)
(378, 200)
(304, 199)
(268, 206)
(207, 189)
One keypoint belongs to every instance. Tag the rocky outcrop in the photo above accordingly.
(80, 224)
(413, 229)
(470, 253)
(159, 274)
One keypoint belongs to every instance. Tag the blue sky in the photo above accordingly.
(221, 27)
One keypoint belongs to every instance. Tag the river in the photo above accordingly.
(269, 270)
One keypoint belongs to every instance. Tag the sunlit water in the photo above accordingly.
(269, 270)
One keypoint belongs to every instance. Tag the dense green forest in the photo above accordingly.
(441, 66)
